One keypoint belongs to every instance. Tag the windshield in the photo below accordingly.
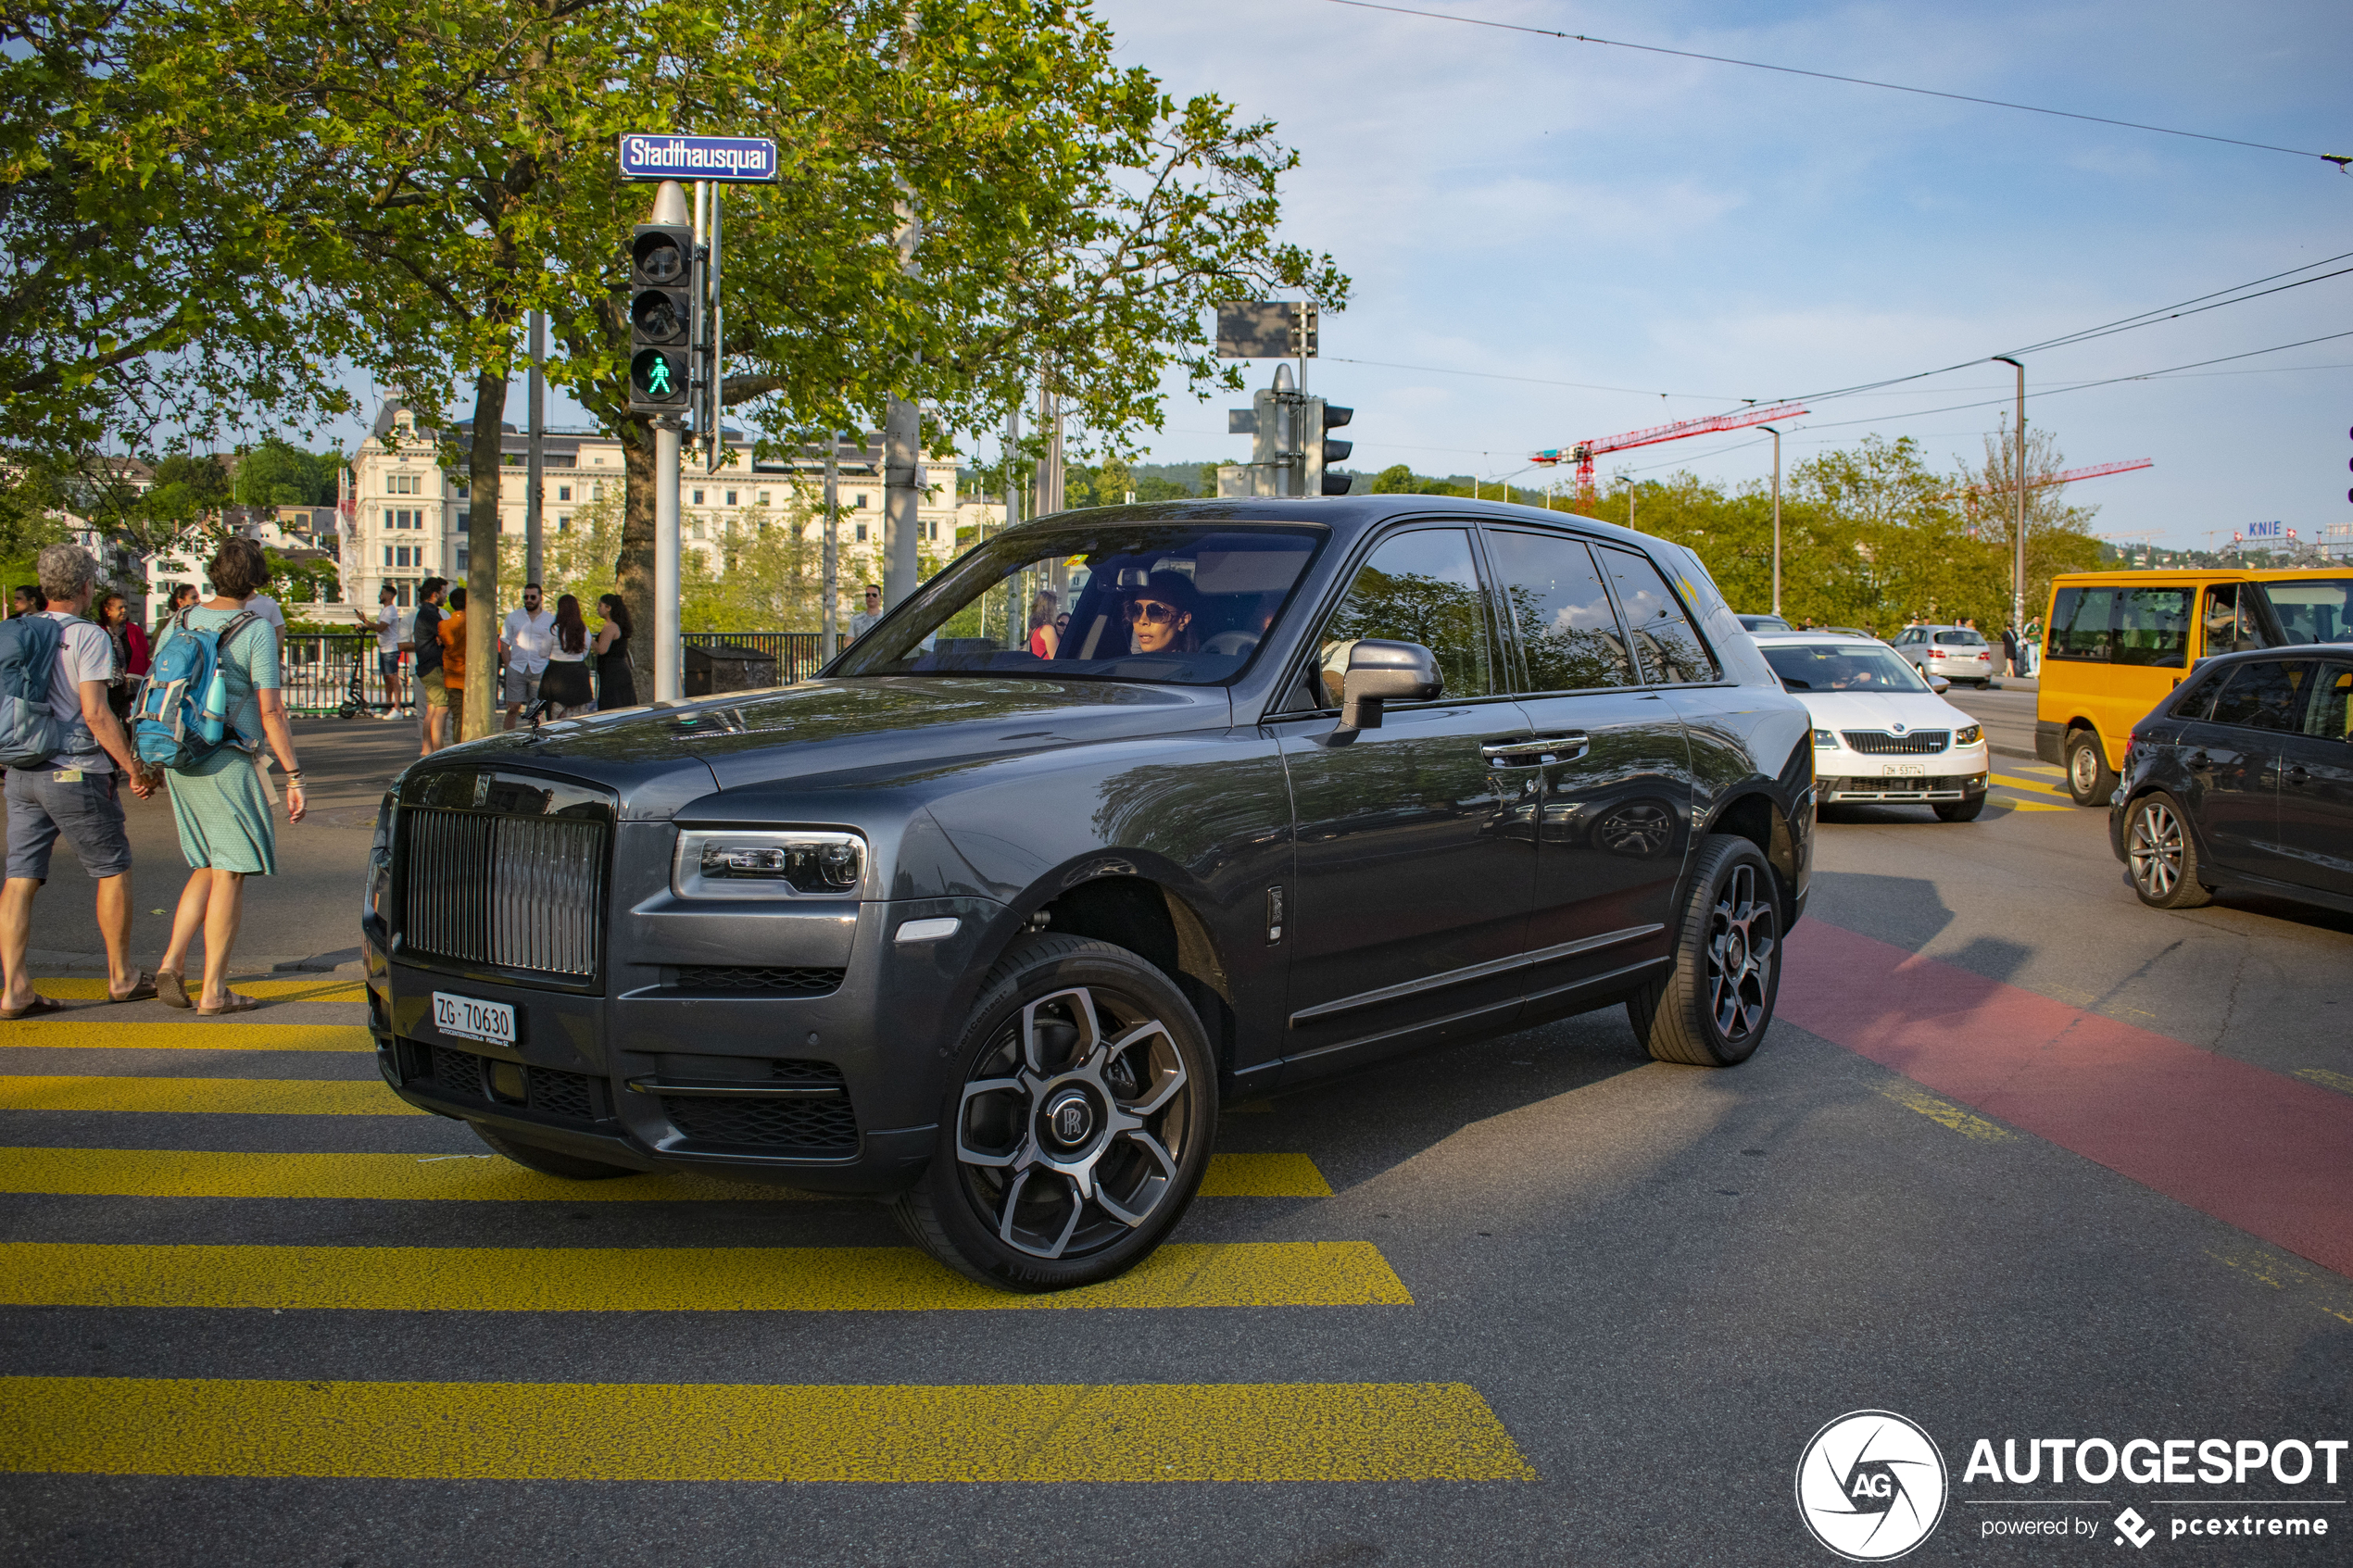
(2314, 611)
(1187, 604)
(1842, 667)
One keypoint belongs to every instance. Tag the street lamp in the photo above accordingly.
(2017, 564)
(1777, 515)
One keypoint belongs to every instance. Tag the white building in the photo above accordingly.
(406, 518)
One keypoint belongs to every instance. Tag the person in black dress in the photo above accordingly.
(616, 686)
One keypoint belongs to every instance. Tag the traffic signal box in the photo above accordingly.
(661, 317)
(1321, 453)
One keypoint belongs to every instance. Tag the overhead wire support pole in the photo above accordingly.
(831, 640)
(535, 471)
(1777, 515)
(2017, 562)
(716, 454)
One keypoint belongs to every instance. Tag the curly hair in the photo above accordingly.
(238, 568)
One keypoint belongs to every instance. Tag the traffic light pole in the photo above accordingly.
(668, 685)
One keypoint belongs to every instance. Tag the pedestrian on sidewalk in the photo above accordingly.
(26, 600)
(424, 640)
(2011, 653)
(76, 791)
(616, 676)
(564, 686)
(526, 640)
(386, 626)
(452, 633)
(130, 640)
(222, 805)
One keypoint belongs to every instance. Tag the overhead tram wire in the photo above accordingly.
(2344, 162)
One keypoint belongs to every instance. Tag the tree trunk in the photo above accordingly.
(634, 568)
(482, 566)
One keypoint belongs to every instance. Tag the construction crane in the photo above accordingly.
(2097, 471)
(1584, 452)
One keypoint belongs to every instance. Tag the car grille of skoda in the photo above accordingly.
(527, 894)
(1879, 743)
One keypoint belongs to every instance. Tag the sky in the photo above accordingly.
(1514, 206)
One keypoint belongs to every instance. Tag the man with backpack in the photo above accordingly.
(66, 758)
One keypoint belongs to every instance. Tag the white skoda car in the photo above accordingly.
(1881, 733)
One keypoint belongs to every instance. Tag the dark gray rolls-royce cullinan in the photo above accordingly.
(1127, 813)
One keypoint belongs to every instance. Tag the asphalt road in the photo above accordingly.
(1561, 1305)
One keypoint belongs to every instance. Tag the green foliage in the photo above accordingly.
(277, 473)
(301, 582)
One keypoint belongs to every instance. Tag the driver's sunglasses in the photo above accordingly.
(1150, 612)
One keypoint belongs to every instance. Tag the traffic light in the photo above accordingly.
(661, 317)
(1321, 453)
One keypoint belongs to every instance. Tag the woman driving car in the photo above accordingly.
(1160, 615)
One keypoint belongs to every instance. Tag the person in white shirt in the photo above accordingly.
(864, 623)
(526, 640)
(74, 791)
(387, 625)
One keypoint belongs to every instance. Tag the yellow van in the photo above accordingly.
(2115, 642)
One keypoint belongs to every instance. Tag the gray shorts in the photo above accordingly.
(520, 687)
(87, 810)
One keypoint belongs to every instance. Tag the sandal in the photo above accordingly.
(234, 1004)
(172, 989)
(142, 986)
(33, 1009)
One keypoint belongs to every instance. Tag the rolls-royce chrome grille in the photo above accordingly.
(518, 892)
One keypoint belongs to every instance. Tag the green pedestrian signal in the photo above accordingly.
(665, 275)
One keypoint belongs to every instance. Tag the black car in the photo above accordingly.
(992, 915)
(2242, 780)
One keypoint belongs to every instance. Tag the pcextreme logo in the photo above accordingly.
(1870, 1486)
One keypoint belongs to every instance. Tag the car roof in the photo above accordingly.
(2293, 650)
(1349, 515)
(1780, 637)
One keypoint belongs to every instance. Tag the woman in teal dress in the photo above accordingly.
(222, 805)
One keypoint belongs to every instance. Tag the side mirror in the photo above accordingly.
(1939, 685)
(1380, 672)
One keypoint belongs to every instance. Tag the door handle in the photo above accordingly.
(2299, 774)
(2198, 760)
(1537, 751)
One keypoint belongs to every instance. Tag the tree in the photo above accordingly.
(2058, 536)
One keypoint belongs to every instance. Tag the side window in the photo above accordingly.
(2331, 715)
(2079, 623)
(2153, 627)
(2198, 702)
(1553, 595)
(2228, 626)
(1419, 587)
(2271, 695)
(1670, 651)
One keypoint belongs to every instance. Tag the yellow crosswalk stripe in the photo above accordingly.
(750, 1431)
(697, 1279)
(2035, 784)
(197, 1034)
(2016, 805)
(325, 988)
(143, 1173)
(206, 1096)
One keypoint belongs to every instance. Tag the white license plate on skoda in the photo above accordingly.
(1904, 770)
(492, 1022)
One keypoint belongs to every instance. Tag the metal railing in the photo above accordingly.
(317, 666)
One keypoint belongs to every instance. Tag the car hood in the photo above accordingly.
(1881, 710)
(876, 728)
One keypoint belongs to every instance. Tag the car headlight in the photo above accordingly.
(1968, 735)
(1825, 741)
(776, 863)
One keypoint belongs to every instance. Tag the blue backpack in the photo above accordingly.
(30, 733)
(183, 714)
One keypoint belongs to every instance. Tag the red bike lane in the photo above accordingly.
(2270, 1155)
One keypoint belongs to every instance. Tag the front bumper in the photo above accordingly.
(836, 1092)
(1901, 789)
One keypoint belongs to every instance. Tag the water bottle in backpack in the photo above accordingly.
(183, 715)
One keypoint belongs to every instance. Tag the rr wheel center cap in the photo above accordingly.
(1736, 950)
(1069, 1119)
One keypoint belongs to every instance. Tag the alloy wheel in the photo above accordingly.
(1742, 946)
(1072, 1126)
(2155, 852)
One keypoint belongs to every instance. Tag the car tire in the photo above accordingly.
(1714, 1005)
(1025, 1194)
(1960, 810)
(2090, 780)
(550, 1161)
(2160, 854)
